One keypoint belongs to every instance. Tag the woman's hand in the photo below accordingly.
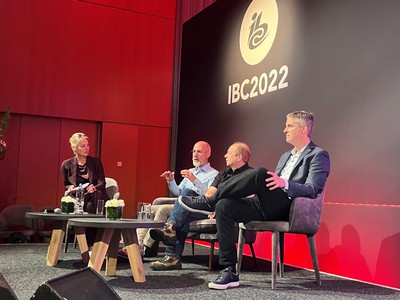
(91, 189)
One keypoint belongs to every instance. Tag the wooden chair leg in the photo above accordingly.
(275, 243)
(241, 242)
(313, 251)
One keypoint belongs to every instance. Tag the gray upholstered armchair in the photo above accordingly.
(304, 218)
(112, 188)
(14, 226)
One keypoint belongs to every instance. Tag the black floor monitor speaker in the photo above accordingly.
(6, 293)
(82, 284)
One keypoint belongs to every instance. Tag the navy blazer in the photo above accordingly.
(95, 170)
(310, 172)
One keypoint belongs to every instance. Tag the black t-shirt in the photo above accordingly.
(82, 175)
(228, 173)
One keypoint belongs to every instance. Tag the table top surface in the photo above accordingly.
(60, 216)
(106, 223)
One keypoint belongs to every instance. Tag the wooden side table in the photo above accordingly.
(58, 233)
(107, 242)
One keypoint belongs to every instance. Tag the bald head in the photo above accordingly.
(201, 152)
(238, 154)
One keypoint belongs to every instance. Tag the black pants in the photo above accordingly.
(232, 208)
(90, 207)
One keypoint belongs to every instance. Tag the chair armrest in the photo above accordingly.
(203, 226)
(305, 214)
(164, 200)
(112, 192)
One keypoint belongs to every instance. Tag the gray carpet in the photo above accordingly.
(24, 268)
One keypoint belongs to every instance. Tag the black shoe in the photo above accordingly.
(227, 278)
(167, 263)
(167, 235)
(150, 251)
(122, 255)
(197, 204)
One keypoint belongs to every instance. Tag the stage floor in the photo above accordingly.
(24, 268)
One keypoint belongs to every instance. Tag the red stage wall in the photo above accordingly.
(69, 66)
(79, 60)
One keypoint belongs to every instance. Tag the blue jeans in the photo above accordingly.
(180, 219)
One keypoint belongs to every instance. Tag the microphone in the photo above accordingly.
(83, 186)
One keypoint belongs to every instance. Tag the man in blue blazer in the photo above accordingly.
(301, 172)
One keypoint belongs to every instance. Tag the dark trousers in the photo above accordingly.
(90, 207)
(232, 208)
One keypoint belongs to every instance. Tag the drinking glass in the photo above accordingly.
(100, 207)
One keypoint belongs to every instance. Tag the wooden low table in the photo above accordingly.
(107, 241)
(58, 233)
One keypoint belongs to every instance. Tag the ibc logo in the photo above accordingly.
(257, 34)
(258, 30)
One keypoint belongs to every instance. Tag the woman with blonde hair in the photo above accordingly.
(86, 170)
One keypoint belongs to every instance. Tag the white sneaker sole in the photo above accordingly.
(215, 286)
(204, 212)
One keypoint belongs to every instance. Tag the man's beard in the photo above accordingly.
(196, 163)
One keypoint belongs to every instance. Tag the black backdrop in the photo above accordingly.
(342, 64)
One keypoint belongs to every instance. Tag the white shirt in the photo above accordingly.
(291, 162)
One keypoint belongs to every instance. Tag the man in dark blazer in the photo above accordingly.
(301, 172)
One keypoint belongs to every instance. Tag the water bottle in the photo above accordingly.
(80, 196)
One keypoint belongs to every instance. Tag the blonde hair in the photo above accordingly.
(75, 139)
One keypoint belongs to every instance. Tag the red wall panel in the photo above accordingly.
(35, 156)
(38, 157)
(153, 159)
(119, 144)
(30, 173)
(162, 8)
(76, 59)
(81, 63)
(142, 154)
(9, 165)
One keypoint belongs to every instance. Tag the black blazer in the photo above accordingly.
(96, 174)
